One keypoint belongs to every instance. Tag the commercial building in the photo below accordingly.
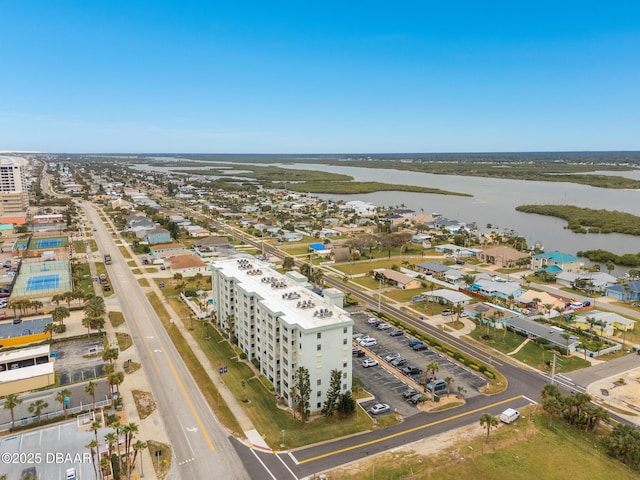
(280, 323)
(26, 369)
(14, 192)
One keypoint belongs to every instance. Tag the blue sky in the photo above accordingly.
(326, 77)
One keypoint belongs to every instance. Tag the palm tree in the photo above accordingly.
(59, 314)
(129, 430)
(117, 426)
(110, 438)
(61, 397)
(37, 407)
(11, 401)
(137, 447)
(430, 370)
(110, 354)
(90, 388)
(57, 299)
(115, 379)
(86, 322)
(49, 328)
(36, 304)
(93, 448)
(449, 381)
(552, 406)
(95, 426)
(95, 307)
(488, 421)
(456, 310)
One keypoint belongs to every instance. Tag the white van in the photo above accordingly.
(509, 415)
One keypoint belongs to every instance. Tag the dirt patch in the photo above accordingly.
(130, 366)
(144, 403)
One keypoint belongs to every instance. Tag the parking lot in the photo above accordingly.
(387, 384)
(79, 360)
(51, 451)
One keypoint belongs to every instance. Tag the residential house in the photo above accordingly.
(546, 260)
(166, 247)
(605, 323)
(625, 292)
(494, 288)
(188, 265)
(402, 281)
(533, 330)
(436, 269)
(589, 281)
(157, 236)
(448, 297)
(441, 223)
(502, 256)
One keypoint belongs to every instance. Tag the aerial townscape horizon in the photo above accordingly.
(332, 241)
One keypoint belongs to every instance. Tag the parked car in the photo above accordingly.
(446, 313)
(396, 333)
(391, 357)
(509, 415)
(420, 347)
(384, 326)
(379, 408)
(464, 313)
(415, 399)
(411, 370)
(409, 393)
(369, 343)
(373, 321)
(398, 362)
(415, 341)
(436, 385)
(369, 362)
(359, 353)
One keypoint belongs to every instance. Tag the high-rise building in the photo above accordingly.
(280, 322)
(14, 193)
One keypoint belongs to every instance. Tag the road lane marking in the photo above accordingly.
(404, 432)
(186, 438)
(173, 370)
(287, 467)
(262, 463)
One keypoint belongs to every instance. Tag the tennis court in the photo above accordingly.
(39, 278)
(38, 283)
(49, 243)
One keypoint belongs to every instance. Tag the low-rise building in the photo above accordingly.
(568, 263)
(26, 369)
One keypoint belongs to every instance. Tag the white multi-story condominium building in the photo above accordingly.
(280, 322)
(14, 194)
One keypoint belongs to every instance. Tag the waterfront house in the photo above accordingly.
(502, 256)
(568, 263)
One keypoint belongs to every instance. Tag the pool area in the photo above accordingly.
(42, 278)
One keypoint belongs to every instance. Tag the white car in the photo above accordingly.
(369, 362)
(391, 357)
(368, 342)
(373, 321)
(384, 326)
(464, 314)
(379, 408)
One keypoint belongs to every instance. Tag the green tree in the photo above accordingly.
(137, 448)
(11, 401)
(110, 354)
(288, 263)
(624, 444)
(90, 388)
(333, 394)
(301, 393)
(346, 405)
(94, 307)
(59, 314)
(37, 407)
(430, 371)
(93, 448)
(449, 381)
(488, 421)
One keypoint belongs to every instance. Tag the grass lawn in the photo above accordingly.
(261, 406)
(365, 266)
(525, 450)
(533, 355)
(136, 271)
(86, 283)
(366, 282)
(116, 318)
(125, 252)
(404, 295)
(78, 247)
(132, 263)
(144, 282)
(124, 341)
(93, 246)
(295, 250)
(502, 341)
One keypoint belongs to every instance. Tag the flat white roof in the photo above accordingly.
(29, 352)
(26, 372)
(278, 295)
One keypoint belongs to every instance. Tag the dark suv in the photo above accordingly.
(411, 370)
(420, 347)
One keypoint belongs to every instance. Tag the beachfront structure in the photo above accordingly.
(554, 262)
(280, 323)
(14, 191)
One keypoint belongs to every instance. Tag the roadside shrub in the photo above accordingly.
(475, 367)
(243, 356)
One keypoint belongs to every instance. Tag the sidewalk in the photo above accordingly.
(251, 433)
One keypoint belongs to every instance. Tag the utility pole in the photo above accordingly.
(379, 293)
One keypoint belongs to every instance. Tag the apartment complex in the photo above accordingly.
(282, 324)
(14, 193)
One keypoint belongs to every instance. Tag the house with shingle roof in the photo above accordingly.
(625, 291)
(436, 269)
(187, 265)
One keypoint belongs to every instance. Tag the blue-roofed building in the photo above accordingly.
(624, 291)
(546, 260)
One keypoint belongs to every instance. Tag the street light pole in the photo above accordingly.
(379, 293)
(283, 430)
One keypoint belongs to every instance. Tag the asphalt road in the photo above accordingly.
(201, 447)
